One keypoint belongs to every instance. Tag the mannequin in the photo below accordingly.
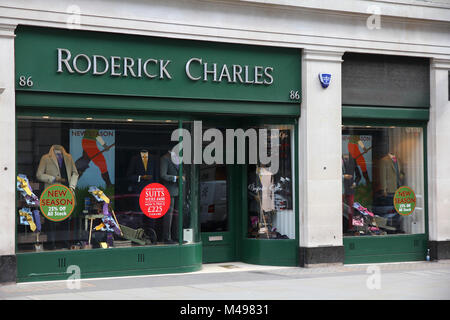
(169, 176)
(267, 193)
(351, 177)
(141, 170)
(391, 175)
(57, 166)
(267, 200)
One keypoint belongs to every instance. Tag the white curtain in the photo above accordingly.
(407, 145)
(284, 220)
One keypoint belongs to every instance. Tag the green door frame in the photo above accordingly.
(236, 246)
(391, 248)
(223, 246)
(275, 252)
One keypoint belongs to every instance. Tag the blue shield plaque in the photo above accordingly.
(325, 79)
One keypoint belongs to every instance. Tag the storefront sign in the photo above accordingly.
(404, 201)
(150, 68)
(73, 61)
(57, 202)
(154, 200)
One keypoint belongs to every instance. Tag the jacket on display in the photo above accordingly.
(390, 174)
(137, 170)
(50, 168)
(169, 174)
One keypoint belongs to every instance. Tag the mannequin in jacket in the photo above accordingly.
(140, 173)
(169, 177)
(141, 170)
(57, 166)
(391, 174)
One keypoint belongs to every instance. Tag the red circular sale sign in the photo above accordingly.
(154, 200)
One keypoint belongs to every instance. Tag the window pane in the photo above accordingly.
(214, 185)
(213, 198)
(107, 165)
(269, 187)
(382, 182)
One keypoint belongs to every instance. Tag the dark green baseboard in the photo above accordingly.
(385, 258)
(279, 252)
(112, 262)
(218, 253)
(379, 249)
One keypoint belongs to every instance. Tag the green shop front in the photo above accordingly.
(385, 112)
(140, 155)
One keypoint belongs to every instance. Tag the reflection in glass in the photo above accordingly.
(106, 164)
(269, 194)
(213, 198)
(376, 163)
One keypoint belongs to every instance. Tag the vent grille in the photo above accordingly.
(140, 257)
(61, 262)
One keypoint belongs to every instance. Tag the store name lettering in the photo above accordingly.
(196, 69)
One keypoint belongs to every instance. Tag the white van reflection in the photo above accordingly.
(213, 205)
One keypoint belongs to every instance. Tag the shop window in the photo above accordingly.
(270, 189)
(82, 184)
(213, 212)
(382, 181)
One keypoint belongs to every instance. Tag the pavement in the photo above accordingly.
(240, 281)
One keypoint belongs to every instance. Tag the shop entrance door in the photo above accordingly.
(217, 214)
(219, 201)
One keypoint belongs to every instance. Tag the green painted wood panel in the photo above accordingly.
(37, 50)
(279, 252)
(53, 265)
(81, 104)
(392, 248)
(368, 113)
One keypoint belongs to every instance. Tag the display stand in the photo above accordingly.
(30, 213)
(264, 227)
(111, 225)
(367, 223)
(91, 218)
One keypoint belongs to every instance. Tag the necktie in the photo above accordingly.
(145, 161)
(60, 159)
